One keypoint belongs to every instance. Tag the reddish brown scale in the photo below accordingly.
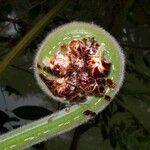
(96, 72)
(92, 68)
(60, 71)
(81, 49)
(97, 67)
(77, 96)
(89, 84)
(86, 82)
(78, 64)
(80, 71)
(47, 82)
(98, 90)
(89, 113)
(64, 48)
(110, 83)
(101, 81)
(76, 54)
(61, 88)
(70, 71)
(89, 53)
(106, 66)
(54, 71)
(43, 78)
(108, 98)
(47, 69)
(38, 66)
(59, 64)
(73, 79)
(95, 45)
(91, 47)
(101, 89)
(77, 48)
(84, 40)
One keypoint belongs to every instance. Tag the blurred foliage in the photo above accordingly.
(125, 124)
(30, 36)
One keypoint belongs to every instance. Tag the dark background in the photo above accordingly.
(125, 124)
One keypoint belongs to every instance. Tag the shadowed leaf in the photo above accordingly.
(31, 112)
(3, 118)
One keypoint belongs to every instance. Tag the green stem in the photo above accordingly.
(30, 36)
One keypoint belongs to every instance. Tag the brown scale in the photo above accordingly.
(61, 89)
(77, 96)
(90, 85)
(98, 91)
(110, 83)
(47, 82)
(107, 66)
(57, 70)
(108, 98)
(73, 79)
(77, 82)
(89, 113)
(64, 48)
(86, 82)
(101, 81)
(47, 69)
(38, 66)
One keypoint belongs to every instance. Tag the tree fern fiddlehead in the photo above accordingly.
(63, 120)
